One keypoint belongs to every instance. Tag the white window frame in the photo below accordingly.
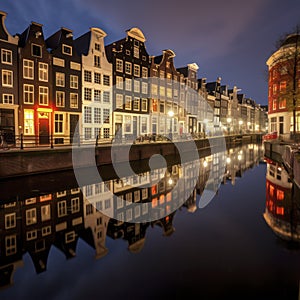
(43, 72)
(7, 78)
(6, 56)
(28, 69)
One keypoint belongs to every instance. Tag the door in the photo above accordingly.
(74, 129)
(43, 131)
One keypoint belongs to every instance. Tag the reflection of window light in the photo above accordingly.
(205, 163)
(228, 160)
(239, 157)
(170, 181)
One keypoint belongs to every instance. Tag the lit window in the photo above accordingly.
(73, 100)
(31, 216)
(61, 208)
(136, 84)
(144, 72)
(58, 123)
(75, 205)
(73, 82)
(282, 86)
(6, 56)
(280, 211)
(137, 70)
(128, 102)
(144, 104)
(10, 245)
(144, 87)
(45, 212)
(119, 101)
(136, 103)
(119, 65)
(7, 78)
(60, 79)
(280, 195)
(119, 82)
(28, 71)
(127, 67)
(60, 99)
(136, 52)
(28, 122)
(10, 221)
(43, 95)
(128, 84)
(128, 124)
(43, 72)
(8, 99)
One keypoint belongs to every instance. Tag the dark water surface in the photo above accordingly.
(225, 249)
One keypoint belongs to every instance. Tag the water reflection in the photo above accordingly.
(282, 212)
(38, 222)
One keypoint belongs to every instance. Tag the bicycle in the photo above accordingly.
(3, 143)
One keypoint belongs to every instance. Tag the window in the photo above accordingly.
(28, 122)
(144, 72)
(10, 245)
(58, 123)
(73, 82)
(97, 115)
(143, 125)
(66, 49)
(127, 52)
(70, 237)
(60, 99)
(6, 56)
(8, 99)
(97, 46)
(136, 103)
(97, 61)
(43, 95)
(119, 65)
(162, 91)
(97, 132)
(60, 79)
(97, 95)
(75, 205)
(45, 212)
(154, 89)
(87, 94)
(28, 94)
(136, 86)
(106, 80)
(36, 50)
(144, 87)
(43, 72)
(31, 216)
(97, 78)
(106, 115)
(282, 104)
(106, 97)
(28, 72)
(7, 78)
(73, 100)
(106, 133)
(136, 52)
(154, 105)
(128, 84)
(162, 74)
(87, 114)
(46, 230)
(169, 93)
(282, 86)
(10, 221)
(87, 133)
(87, 76)
(137, 70)
(274, 104)
(127, 67)
(31, 235)
(62, 208)
(128, 102)
(128, 124)
(274, 88)
(107, 204)
(119, 82)
(119, 101)
(144, 104)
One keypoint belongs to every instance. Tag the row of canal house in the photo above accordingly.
(57, 88)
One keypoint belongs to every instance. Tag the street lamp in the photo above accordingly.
(171, 115)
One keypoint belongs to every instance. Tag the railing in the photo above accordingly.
(49, 141)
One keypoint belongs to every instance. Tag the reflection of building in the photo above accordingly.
(282, 204)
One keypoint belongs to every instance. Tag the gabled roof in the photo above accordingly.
(55, 39)
(82, 43)
(33, 28)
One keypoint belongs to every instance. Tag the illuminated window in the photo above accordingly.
(136, 52)
(7, 78)
(154, 189)
(274, 88)
(136, 85)
(73, 82)
(169, 197)
(45, 212)
(43, 95)
(119, 82)
(28, 71)
(127, 67)
(154, 105)
(73, 100)
(274, 104)
(6, 56)
(128, 84)
(62, 208)
(43, 72)
(144, 194)
(136, 70)
(119, 101)
(136, 103)
(45, 197)
(162, 91)
(144, 72)
(282, 104)
(280, 211)
(28, 122)
(60, 79)
(31, 216)
(154, 89)
(60, 99)
(10, 221)
(119, 65)
(271, 190)
(144, 87)
(161, 199)
(75, 205)
(280, 195)
(282, 86)
(154, 202)
(128, 103)
(128, 124)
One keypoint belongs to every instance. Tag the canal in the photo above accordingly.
(59, 242)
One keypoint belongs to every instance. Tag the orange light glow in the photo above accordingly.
(154, 202)
(161, 199)
(169, 197)
(280, 211)
(280, 195)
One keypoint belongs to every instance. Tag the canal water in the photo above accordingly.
(56, 244)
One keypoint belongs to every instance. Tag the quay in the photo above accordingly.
(30, 161)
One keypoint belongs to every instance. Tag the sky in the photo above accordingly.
(230, 39)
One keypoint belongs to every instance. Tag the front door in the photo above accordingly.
(43, 131)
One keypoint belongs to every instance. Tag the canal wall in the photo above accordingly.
(24, 162)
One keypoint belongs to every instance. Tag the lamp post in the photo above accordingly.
(171, 115)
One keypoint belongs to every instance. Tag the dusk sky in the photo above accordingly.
(231, 39)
